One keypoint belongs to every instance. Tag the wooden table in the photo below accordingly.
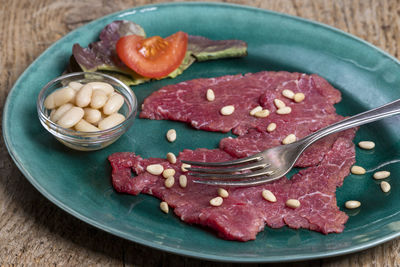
(35, 231)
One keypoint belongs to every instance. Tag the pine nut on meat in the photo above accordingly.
(59, 97)
(169, 182)
(291, 138)
(357, 170)
(83, 96)
(366, 144)
(155, 169)
(58, 113)
(223, 193)
(99, 98)
(84, 126)
(107, 88)
(284, 110)
(288, 93)
(217, 201)
(210, 95)
(255, 110)
(262, 113)
(164, 207)
(298, 97)
(271, 127)
(352, 204)
(183, 181)
(227, 110)
(293, 203)
(385, 186)
(168, 173)
(268, 195)
(171, 157)
(113, 104)
(171, 135)
(71, 117)
(279, 103)
(111, 121)
(184, 166)
(92, 115)
(381, 175)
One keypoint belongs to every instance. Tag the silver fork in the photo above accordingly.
(275, 162)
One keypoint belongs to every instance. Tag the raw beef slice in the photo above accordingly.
(186, 101)
(244, 213)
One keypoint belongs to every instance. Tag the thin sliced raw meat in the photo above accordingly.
(186, 101)
(244, 213)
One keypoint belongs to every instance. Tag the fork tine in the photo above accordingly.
(251, 166)
(224, 163)
(217, 176)
(249, 182)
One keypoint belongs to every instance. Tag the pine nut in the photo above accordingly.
(271, 127)
(107, 88)
(99, 98)
(58, 113)
(262, 113)
(288, 93)
(168, 173)
(111, 121)
(84, 126)
(171, 157)
(169, 182)
(183, 181)
(284, 110)
(184, 166)
(59, 97)
(268, 195)
(357, 170)
(83, 96)
(171, 135)
(155, 169)
(381, 175)
(366, 144)
(113, 104)
(279, 103)
(210, 95)
(92, 116)
(298, 97)
(291, 138)
(164, 207)
(255, 110)
(385, 186)
(293, 203)
(223, 193)
(227, 110)
(352, 204)
(216, 202)
(75, 85)
(71, 117)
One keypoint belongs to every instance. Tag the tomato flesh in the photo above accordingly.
(153, 57)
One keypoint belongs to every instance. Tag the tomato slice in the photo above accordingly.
(153, 57)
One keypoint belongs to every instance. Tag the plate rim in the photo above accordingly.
(166, 248)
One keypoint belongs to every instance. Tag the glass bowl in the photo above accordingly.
(87, 141)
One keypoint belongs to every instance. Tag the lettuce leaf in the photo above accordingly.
(102, 56)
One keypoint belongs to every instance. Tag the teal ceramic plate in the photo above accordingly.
(80, 182)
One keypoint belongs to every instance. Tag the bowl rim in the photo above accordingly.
(80, 134)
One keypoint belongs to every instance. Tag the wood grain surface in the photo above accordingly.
(33, 231)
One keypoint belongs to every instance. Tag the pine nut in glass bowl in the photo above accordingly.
(89, 137)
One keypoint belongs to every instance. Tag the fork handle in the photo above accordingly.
(387, 110)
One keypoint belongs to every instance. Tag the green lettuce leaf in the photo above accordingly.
(101, 55)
